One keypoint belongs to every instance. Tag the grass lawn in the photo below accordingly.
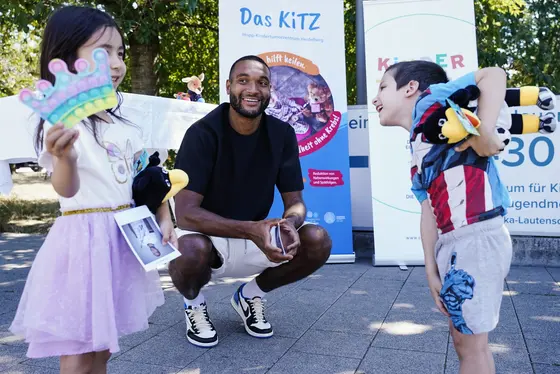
(27, 216)
(32, 206)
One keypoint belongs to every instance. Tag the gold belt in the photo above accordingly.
(96, 210)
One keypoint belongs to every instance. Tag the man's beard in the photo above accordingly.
(236, 101)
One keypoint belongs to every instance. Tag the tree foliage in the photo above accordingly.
(18, 63)
(350, 41)
(521, 37)
(172, 39)
(190, 50)
(513, 7)
(144, 23)
(537, 50)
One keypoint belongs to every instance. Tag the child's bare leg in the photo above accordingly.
(474, 352)
(100, 362)
(492, 363)
(77, 364)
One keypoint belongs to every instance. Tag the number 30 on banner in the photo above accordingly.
(516, 157)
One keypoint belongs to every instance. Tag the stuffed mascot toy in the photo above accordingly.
(455, 121)
(154, 185)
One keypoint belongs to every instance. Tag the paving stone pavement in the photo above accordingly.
(345, 319)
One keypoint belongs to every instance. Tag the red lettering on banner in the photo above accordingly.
(382, 63)
(322, 137)
(457, 60)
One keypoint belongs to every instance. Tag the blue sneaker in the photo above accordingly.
(251, 312)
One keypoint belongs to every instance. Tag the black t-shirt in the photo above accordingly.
(237, 173)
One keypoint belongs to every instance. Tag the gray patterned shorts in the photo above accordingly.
(473, 262)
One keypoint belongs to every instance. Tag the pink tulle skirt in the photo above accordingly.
(85, 289)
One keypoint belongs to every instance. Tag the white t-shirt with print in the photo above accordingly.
(106, 172)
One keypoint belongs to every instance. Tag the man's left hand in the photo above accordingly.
(287, 226)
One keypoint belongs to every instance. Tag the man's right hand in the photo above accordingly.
(260, 235)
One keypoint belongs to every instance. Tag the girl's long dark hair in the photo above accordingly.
(68, 29)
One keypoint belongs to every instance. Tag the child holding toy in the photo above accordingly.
(467, 247)
(85, 288)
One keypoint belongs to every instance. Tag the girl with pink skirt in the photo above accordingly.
(85, 288)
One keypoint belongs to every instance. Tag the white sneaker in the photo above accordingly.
(251, 312)
(200, 330)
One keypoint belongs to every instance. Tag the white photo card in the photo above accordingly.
(144, 237)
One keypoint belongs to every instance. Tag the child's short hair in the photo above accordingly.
(424, 72)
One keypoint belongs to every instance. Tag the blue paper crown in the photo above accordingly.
(74, 97)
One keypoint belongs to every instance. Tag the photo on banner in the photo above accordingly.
(442, 32)
(303, 44)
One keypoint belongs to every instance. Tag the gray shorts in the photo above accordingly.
(473, 262)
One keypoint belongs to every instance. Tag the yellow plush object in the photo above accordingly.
(453, 129)
(520, 124)
(531, 124)
(179, 180)
(528, 95)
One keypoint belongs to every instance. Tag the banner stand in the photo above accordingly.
(303, 44)
(394, 31)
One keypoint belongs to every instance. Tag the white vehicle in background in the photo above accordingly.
(32, 165)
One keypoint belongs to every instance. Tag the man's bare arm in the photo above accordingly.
(294, 208)
(191, 216)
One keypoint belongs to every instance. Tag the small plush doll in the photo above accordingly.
(453, 122)
(182, 96)
(194, 89)
(153, 185)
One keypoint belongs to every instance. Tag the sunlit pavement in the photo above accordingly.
(351, 318)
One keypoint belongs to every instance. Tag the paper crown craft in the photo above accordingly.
(73, 97)
(154, 185)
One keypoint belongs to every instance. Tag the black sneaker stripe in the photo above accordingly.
(252, 319)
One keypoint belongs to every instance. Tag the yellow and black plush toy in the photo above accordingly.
(154, 185)
(443, 125)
